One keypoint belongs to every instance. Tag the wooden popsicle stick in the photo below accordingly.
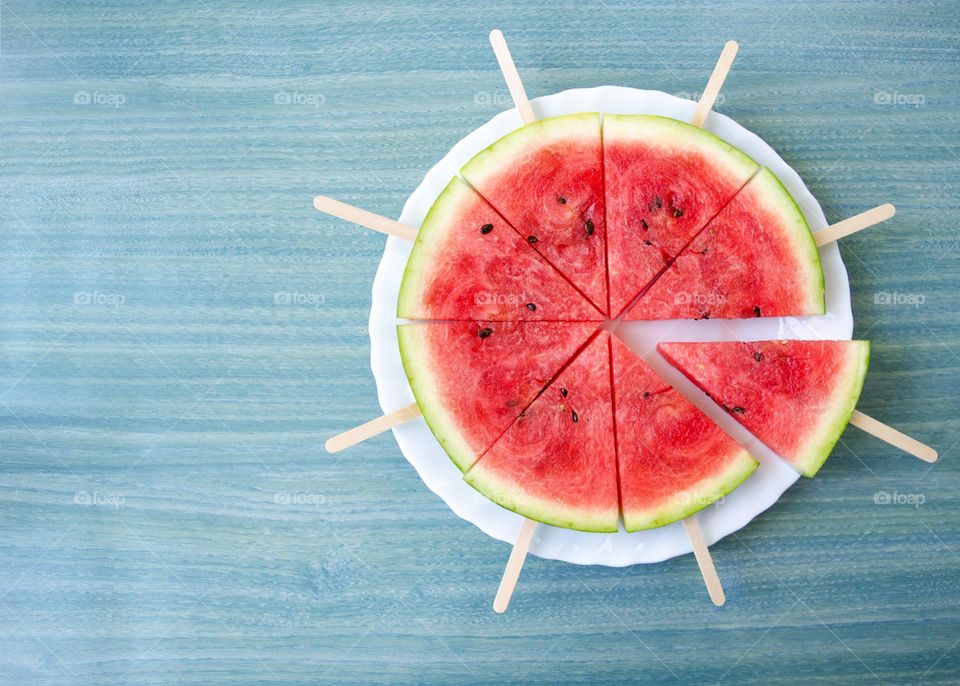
(512, 571)
(372, 428)
(719, 75)
(704, 561)
(854, 224)
(893, 437)
(364, 218)
(511, 76)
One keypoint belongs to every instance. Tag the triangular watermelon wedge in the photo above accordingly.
(664, 181)
(546, 179)
(557, 463)
(795, 396)
(472, 379)
(468, 264)
(756, 258)
(672, 460)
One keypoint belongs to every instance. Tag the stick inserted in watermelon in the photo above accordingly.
(795, 396)
(756, 258)
(469, 264)
(546, 179)
(664, 181)
(472, 379)
(672, 459)
(556, 463)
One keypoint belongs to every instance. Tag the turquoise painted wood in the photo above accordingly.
(167, 512)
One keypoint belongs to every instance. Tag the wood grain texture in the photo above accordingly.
(181, 331)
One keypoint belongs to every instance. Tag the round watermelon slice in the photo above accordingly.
(756, 258)
(468, 264)
(672, 460)
(556, 463)
(795, 396)
(472, 379)
(664, 181)
(546, 179)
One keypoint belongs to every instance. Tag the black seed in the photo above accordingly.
(738, 410)
(756, 310)
(705, 315)
(678, 212)
(648, 242)
(589, 227)
(643, 223)
(531, 239)
(531, 307)
(562, 200)
(646, 394)
(486, 228)
(563, 392)
(758, 357)
(576, 417)
(656, 201)
(705, 250)
(483, 333)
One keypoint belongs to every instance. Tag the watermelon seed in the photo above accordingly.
(705, 315)
(563, 392)
(738, 410)
(648, 242)
(486, 228)
(531, 307)
(562, 200)
(576, 417)
(531, 239)
(678, 212)
(758, 357)
(646, 394)
(756, 310)
(643, 223)
(656, 200)
(704, 251)
(483, 333)
(589, 227)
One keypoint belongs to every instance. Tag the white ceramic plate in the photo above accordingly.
(422, 450)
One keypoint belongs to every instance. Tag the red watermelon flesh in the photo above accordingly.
(672, 459)
(557, 463)
(472, 379)
(756, 258)
(546, 179)
(469, 264)
(795, 396)
(664, 181)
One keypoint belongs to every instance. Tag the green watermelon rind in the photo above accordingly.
(799, 234)
(436, 223)
(423, 383)
(563, 128)
(692, 500)
(649, 128)
(518, 500)
(811, 457)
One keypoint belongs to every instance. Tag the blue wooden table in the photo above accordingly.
(167, 512)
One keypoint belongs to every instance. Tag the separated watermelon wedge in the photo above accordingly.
(472, 379)
(664, 181)
(795, 396)
(756, 258)
(672, 460)
(557, 462)
(468, 264)
(546, 179)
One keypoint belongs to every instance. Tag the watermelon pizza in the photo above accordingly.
(513, 297)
